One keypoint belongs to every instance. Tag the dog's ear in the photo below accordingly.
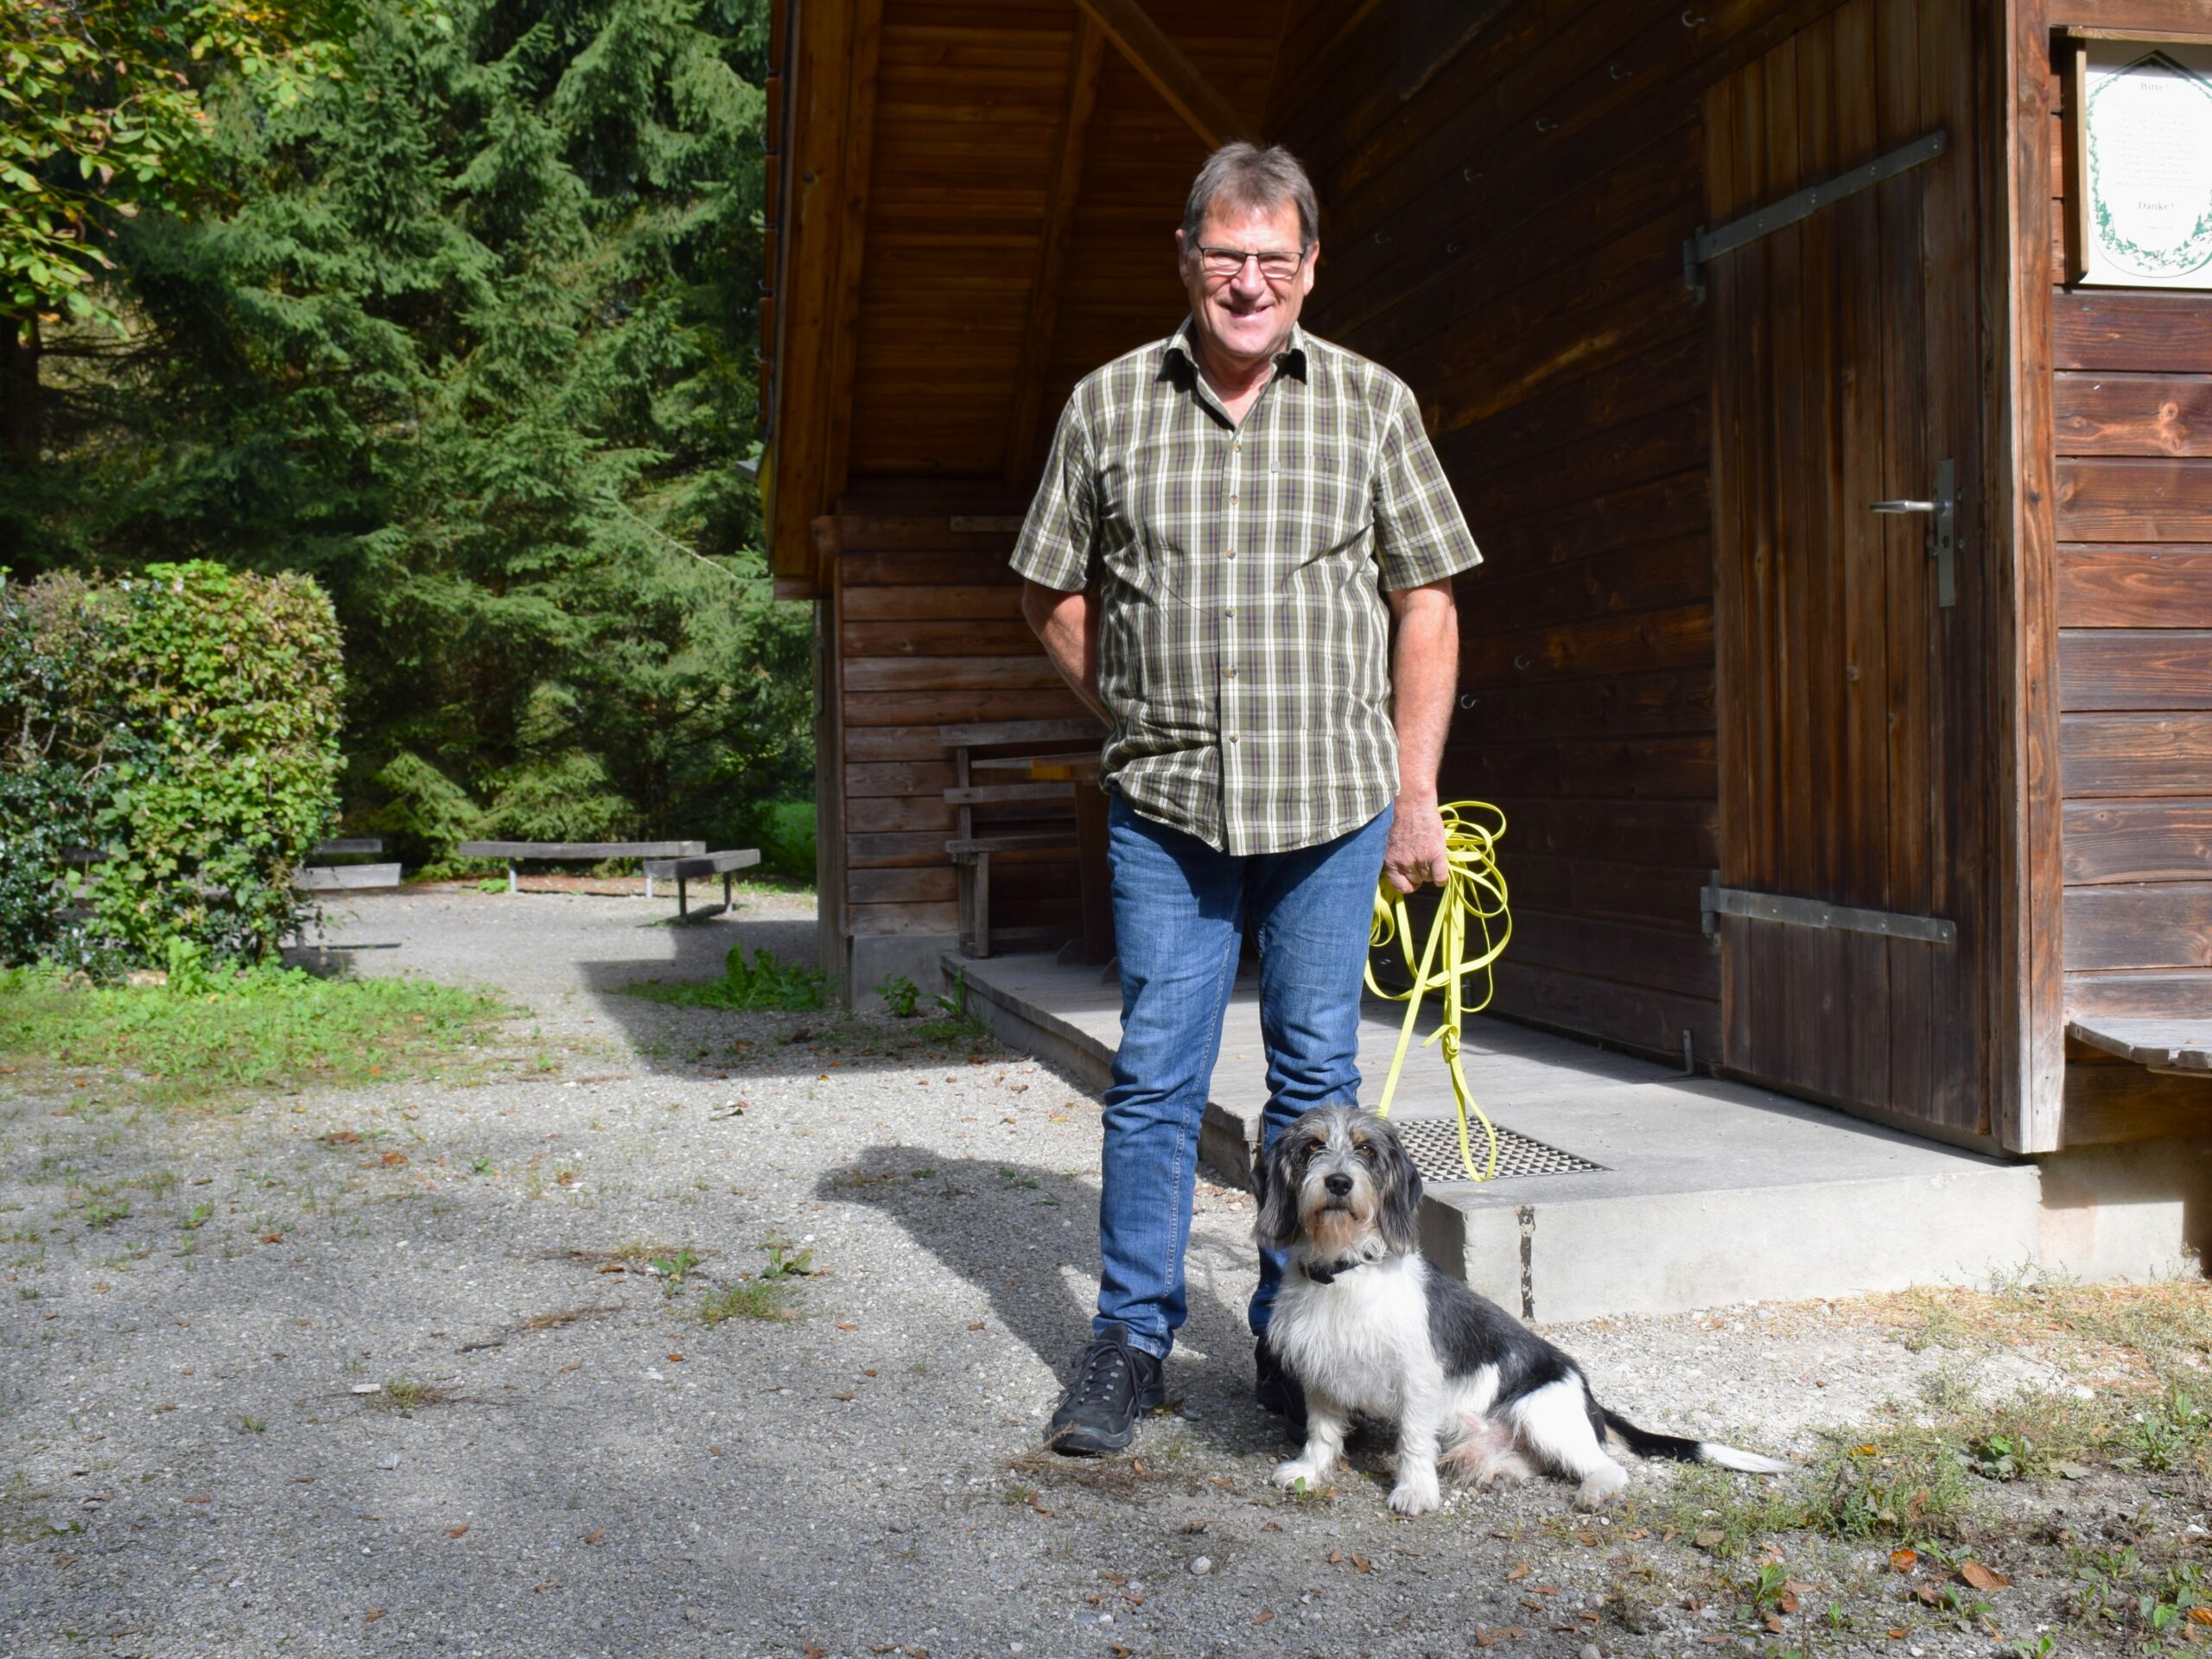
(1398, 1199)
(1274, 1196)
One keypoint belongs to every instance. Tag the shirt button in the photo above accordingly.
(1232, 737)
(1232, 673)
(1232, 552)
(1230, 613)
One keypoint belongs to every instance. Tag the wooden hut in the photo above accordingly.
(1908, 812)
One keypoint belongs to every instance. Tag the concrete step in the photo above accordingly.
(1711, 1193)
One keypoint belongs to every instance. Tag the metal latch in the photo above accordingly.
(1942, 541)
(1716, 901)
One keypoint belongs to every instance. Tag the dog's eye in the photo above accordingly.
(1367, 1150)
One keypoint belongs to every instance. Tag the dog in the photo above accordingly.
(1367, 1325)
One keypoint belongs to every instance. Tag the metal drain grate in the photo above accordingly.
(1434, 1144)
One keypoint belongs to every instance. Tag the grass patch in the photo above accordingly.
(754, 1299)
(764, 981)
(958, 1024)
(405, 1393)
(267, 1029)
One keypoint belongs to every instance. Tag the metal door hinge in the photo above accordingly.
(1707, 244)
(1717, 901)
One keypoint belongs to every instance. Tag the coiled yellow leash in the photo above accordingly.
(1473, 892)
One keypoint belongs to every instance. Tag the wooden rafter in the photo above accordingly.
(1174, 76)
(1085, 59)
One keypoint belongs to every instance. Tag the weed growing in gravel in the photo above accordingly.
(900, 995)
(754, 1299)
(105, 1212)
(271, 1027)
(405, 1393)
(958, 1023)
(762, 983)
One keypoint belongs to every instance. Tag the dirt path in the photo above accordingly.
(391, 1393)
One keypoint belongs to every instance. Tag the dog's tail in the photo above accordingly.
(1675, 1448)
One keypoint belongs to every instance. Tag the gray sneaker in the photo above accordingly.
(1113, 1383)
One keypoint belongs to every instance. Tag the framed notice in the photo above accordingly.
(2142, 163)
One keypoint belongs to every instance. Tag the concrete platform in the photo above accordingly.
(1712, 1193)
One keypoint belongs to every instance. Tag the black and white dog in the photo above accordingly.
(1367, 1325)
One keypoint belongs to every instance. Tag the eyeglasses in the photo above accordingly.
(1277, 267)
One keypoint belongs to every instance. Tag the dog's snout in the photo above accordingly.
(1339, 1183)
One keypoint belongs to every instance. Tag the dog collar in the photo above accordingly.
(1321, 1275)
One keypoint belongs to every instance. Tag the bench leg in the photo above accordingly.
(976, 904)
(512, 885)
(725, 893)
(649, 888)
(683, 899)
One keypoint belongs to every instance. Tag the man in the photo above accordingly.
(1228, 521)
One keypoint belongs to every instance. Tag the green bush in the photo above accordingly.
(762, 983)
(50, 771)
(784, 831)
(198, 710)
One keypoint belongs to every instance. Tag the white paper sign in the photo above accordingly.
(2146, 164)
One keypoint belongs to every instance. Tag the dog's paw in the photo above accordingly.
(1601, 1488)
(1416, 1496)
(1288, 1475)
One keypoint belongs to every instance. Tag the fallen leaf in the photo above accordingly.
(1335, 1555)
(1137, 1464)
(1982, 1578)
(456, 1532)
(595, 1536)
(393, 1160)
(1711, 1538)
(841, 1325)
(676, 1359)
(976, 1325)
(1112, 1578)
(1491, 1637)
(1267, 1617)
(1197, 1523)
(847, 1395)
(1927, 1595)
(614, 1267)
(1532, 1603)
(549, 1584)
(373, 1615)
(1640, 1532)
(2200, 1615)
(867, 1373)
(1787, 1602)
(272, 1238)
(570, 1366)
(713, 1451)
(1903, 1560)
(1520, 1572)
(1272, 1526)
(203, 1498)
(1544, 1589)
(1896, 1635)
(1361, 1564)
(1119, 1650)
(342, 1138)
(1867, 1451)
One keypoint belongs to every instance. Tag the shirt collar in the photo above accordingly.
(1292, 359)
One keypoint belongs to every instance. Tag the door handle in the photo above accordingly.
(1942, 541)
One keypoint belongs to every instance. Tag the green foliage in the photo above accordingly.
(51, 780)
(101, 117)
(232, 1033)
(184, 726)
(901, 996)
(472, 342)
(762, 983)
(784, 831)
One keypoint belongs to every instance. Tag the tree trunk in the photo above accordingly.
(19, 391)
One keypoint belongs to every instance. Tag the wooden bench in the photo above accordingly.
(707, 864)
(579, 852)
(2182, 1047)
(971, 853)
(346, 878)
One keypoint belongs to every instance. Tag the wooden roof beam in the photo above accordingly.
(1174, 76)
(1086, 60)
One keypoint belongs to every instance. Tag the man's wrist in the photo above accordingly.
(1411, 799)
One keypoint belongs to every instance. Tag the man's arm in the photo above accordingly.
(1424, 678)
(1062, 621)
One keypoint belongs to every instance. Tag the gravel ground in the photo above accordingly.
(395, 1397)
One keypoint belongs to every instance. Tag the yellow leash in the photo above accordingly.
(1475, 890)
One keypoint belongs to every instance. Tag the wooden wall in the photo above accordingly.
(1510, 240)
(2131, 400)
(927, 622)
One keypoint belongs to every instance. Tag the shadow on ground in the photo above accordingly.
(1025, 1264)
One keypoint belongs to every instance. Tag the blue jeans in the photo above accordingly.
(1179, 912)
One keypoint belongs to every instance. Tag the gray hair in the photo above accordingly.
(1244, 176)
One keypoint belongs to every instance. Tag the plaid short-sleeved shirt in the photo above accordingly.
(1239, 573)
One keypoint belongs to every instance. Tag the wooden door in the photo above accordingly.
(1853, 746)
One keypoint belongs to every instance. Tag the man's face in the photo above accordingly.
(1243, 318)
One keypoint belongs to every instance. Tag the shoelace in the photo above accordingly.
(1102, 1362)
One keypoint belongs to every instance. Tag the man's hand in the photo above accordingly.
(1067, 624)
(1415, 852)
